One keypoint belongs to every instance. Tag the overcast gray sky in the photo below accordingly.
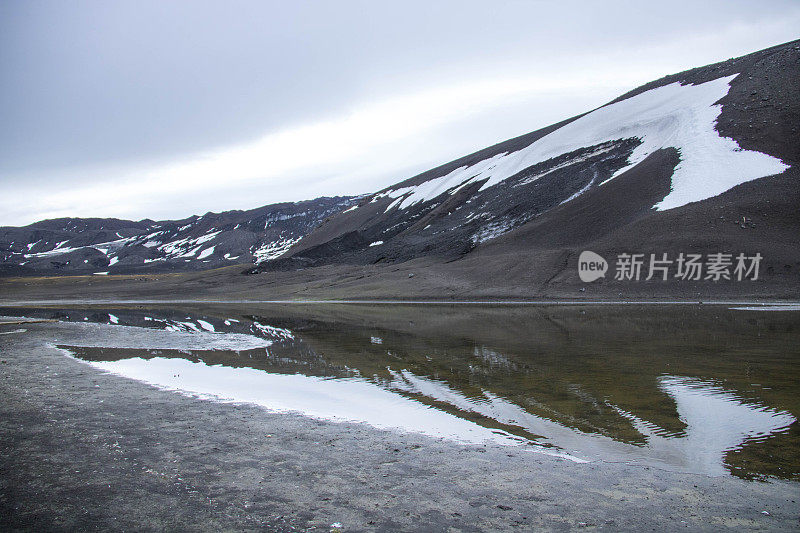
(166, 109)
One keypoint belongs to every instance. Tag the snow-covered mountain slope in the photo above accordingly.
(671, 145)
(98, 246)
(703, 161)
(673, 116)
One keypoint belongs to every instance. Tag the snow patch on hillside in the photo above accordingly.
(672, 116)
(452, 182)
(60, 249)
(205, 253)
(492, 230)
(274, 249)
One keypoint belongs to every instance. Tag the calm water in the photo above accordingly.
(702, 389)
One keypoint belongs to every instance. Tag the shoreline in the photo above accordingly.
(541, 302)
(85, 449)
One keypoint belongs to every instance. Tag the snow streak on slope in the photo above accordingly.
(274, 249)
(214, 239)
(674, 115)
(452, 182)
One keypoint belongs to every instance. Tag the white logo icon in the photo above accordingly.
(591, 266)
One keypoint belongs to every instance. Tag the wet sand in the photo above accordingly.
(84, 450)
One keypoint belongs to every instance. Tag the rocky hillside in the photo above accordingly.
(111, 246)
(703, 161)
(699, 163)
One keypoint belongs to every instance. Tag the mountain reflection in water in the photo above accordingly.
(697, 389)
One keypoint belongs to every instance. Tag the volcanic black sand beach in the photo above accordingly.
(85, 450)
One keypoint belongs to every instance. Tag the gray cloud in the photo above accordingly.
(102, 100)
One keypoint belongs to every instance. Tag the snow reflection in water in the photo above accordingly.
(344, 399)
(716, 420)
(716, 395)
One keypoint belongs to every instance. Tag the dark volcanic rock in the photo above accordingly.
(568, 202)
(513, 215)
(84, 246)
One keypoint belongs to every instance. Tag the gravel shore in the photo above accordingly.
(83, 450)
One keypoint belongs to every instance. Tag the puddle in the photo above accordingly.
(710, 391)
